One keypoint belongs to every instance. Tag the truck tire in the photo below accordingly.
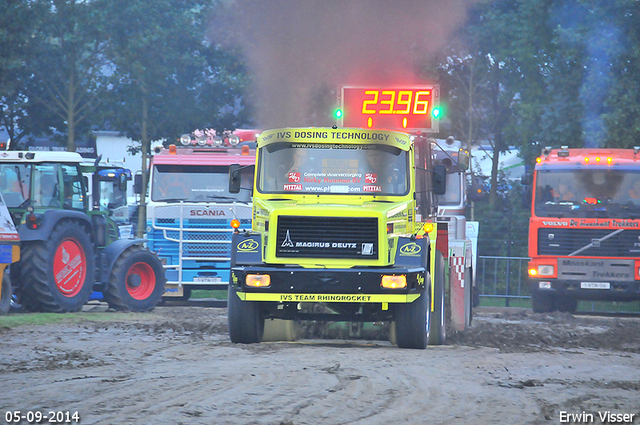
(566, 304)
(246, 326)
(5, 297)
(57, 275)
(541, 302)
(412, 321)
(438, 324)
(136, 282)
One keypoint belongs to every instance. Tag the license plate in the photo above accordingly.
(214, 279)
(595, 285)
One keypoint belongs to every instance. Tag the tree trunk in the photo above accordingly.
(142, 211)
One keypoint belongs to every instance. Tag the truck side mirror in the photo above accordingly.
(234, 178)
(137, 184)
(463, 159)
(439, 179)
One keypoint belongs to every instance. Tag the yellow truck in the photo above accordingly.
(9, 253)
(346, 219)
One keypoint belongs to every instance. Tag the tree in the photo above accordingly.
(19, 20)
(166, 79)
(67, 66)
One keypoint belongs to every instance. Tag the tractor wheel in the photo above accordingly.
(246, 325)
(57, 275)
(412, 321)
(137, 280)
(5, 297)
(438, 330)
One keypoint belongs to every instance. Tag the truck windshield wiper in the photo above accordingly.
(221, 197)
(173, 200)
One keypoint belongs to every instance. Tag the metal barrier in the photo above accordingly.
(502, 277)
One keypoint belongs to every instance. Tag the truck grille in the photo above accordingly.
(327, 237)
(564, 242)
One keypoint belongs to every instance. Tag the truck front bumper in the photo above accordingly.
(596, 291)
(358, 285)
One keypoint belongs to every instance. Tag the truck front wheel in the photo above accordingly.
(412, 321)
(541, 302)
(57, 275)
(137, 280)
(246, 325)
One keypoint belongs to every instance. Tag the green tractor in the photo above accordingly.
(69, 245)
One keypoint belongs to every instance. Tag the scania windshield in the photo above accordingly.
(202, 183)
(309, 168)
(588, 193)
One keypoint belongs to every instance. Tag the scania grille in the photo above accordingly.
(200, 238)
(327, 237)
(589, 242)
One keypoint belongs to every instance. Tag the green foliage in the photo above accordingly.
(143, 68)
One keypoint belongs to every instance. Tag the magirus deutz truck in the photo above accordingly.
(345, 219)
(189, 207)
(584, 231)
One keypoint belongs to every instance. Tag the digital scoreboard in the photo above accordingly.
(410, 108)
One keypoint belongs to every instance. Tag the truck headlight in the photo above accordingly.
(185, 139)
(258, 280)
(545, 270)
(394, 282)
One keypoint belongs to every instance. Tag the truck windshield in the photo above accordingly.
(201, 183)
(588, 193)
(308, 168)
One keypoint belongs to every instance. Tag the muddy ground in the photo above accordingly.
(176, 365)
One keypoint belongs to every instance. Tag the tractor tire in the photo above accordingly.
(5, 297)
(246, 325)
(57, 275)
(438, 324)
(412, 321)
(136, 282)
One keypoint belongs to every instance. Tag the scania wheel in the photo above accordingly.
(137, 281)
(57, 275)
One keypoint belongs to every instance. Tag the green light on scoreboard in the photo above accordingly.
(337, 114)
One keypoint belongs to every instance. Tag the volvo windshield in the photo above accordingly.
(588, 193)
(310, 168)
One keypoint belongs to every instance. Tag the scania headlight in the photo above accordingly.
(217, 141)
(185, 139)
(233, 140)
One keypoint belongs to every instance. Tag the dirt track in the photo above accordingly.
(177, 366)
